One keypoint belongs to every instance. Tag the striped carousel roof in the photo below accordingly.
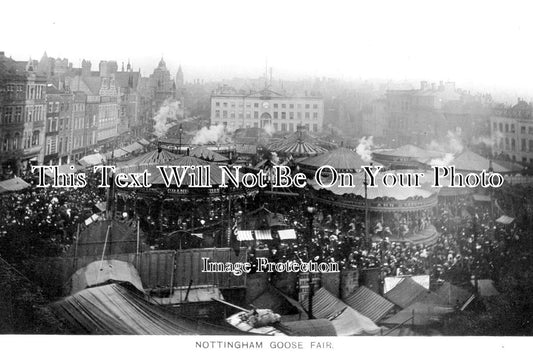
(204, 153)
(342, 159)
(158, 156)
(300, 149)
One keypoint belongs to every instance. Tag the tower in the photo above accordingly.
(179, 78)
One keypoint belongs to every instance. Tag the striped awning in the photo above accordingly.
(244, 236)
(263, 235)
(285, 234)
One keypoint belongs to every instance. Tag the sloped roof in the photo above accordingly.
(486, 287)
(116, 310)
(13, 184)
(92, 160)
(101, 272)
(369, 303)
(152, 157)
(423, 314)
(472, 162)
(410, 151)
(452, 294)
(206, 154)
(405, 293)
(316, 327)
(347, 321)
(379, 191)
(342, 159)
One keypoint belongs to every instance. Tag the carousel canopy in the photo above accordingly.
(380, 191)
(155, 157)
(410, 151)
(342, 159)
(472, 162)
(206, 154)
(300, 149)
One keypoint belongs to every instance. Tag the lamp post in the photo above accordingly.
(311, 215)
(181, 131)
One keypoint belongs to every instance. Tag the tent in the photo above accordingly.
(93, 160)
(118, 310)
(419, 314)
(14, 184)
(104, 271)
(406, 292)
(345, 320)
(369, 303)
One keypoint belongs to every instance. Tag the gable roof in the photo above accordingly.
(405, 293)
(369, 303)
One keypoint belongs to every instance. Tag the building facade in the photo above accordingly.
(266, 109)
(512, 132)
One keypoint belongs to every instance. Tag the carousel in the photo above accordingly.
(342, 159)
(401, 214)
(299, 144)
(406, 157)
(180, 214)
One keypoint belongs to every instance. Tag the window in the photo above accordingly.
(275, 105)
(291, 106)
(217, 104)
(522, 129)
(16, 141)
(256, 115)
(299, 115)
(224, 114)
(501, 127)
(256, 105)
(291, 127)
(50, 107)
(315, 115)
(530, 145)
(506, 143)
(283, 106)
(506, 128)
(283, 127)
(524, 147)
(225, 105)
(513, 144)
(18, 114)
(315, 127)
(255, 125)
(291, 115)
(307, 106)
(306, 115)
(276, 126)
(232, 115)
(248, 115)
(233, 104)
(241, 115)
(530, 130)
(217, 113)
(283, 115)
(512, 128)
(35, 138)
(275, 115)
(315, 106)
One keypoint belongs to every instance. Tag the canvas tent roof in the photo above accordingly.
(13, 184)
(93, 160)
(101, 272)
(369, 303)
(116, 310)
(406, 292)
(452, 294)
(347, 321)
(342, 159)
(316, 327)
(424, 314)
(472, 162)
(486, 287)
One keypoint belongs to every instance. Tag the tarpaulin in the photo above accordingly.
(285, 234)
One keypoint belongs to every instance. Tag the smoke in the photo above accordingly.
(364, 148)
(489, 141)
(269, 129)
(452, 145)
(212, 135)
(170, 110)
(443, 161)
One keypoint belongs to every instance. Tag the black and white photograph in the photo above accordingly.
(253, 173)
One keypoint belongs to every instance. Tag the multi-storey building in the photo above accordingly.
(512, 132)
(22, 115)
(265, 108)
(127, 83)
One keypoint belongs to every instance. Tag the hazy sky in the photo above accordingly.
(474, 43)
